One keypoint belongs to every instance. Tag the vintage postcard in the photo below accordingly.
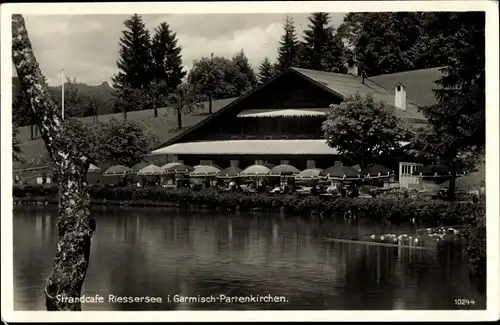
(293, 160)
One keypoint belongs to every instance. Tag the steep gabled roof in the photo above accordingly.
(222, 110)
(337, 84)
(419, 84)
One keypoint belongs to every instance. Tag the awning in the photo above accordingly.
(250, 147)
(295, 112)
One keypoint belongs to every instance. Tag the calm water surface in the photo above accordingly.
(160, 252)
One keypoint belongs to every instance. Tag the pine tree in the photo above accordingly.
(135, 56)
(335, 55)
(167, 66)
(266, 70)
(457, 122)
(245, 79)
(322, 49)
(289, 46)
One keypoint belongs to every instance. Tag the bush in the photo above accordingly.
(474, 233)
(45, 190)
(395, 209)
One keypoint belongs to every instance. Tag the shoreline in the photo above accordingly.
(397, 209)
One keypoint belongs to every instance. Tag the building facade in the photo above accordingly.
(280, 122)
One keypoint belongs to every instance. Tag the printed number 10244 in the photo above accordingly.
(464, 302)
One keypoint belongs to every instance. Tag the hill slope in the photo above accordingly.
(164, 126)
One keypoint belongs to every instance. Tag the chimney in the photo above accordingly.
(400, 96)
(352, 67)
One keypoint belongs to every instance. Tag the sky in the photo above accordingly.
(86, 46)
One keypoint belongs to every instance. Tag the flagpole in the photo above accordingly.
(62, 93)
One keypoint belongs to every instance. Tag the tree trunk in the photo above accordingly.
(125, 114)
(179, 119)
(70, 168)
(155, 109)
(75, 230)
(209, 104)
(32, 131)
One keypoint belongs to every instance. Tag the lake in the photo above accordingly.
(139, 252)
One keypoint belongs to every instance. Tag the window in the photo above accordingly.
(408, 169)
(268, 137)
(235, 137)
(251, 137)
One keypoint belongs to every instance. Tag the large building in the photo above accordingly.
(280, 121)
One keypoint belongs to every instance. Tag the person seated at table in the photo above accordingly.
(343, 191)
(332, 189)
(232, 186)
(353, 192)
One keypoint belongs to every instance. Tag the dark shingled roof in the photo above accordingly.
(346, 84)
(419, 84)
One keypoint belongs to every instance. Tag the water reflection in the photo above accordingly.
(160, 252)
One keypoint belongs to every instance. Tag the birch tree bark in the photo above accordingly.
(75, 228)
